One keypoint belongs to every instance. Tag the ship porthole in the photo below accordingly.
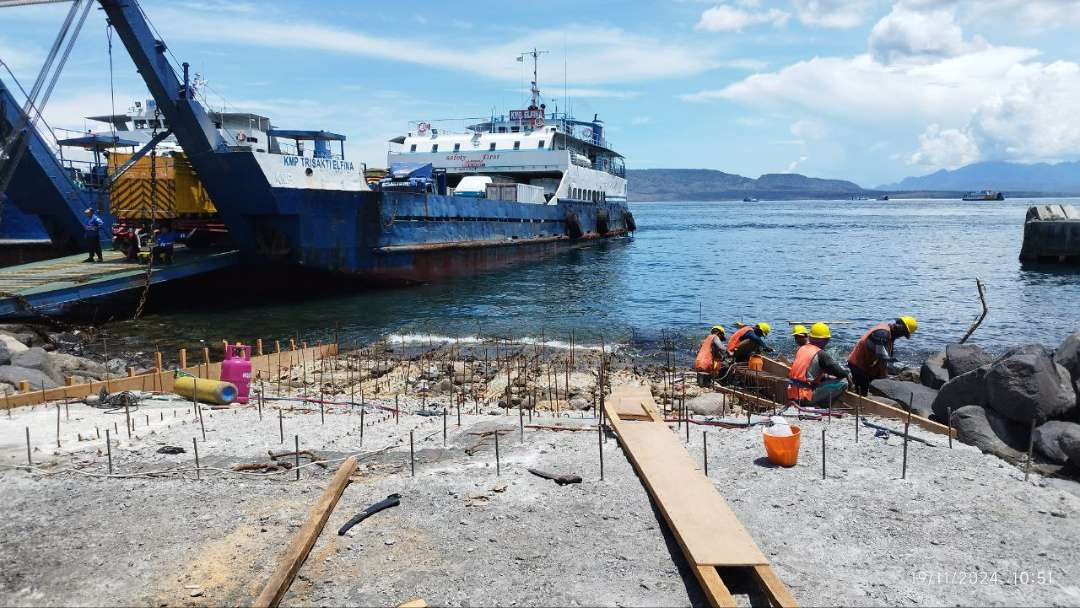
(308, 172)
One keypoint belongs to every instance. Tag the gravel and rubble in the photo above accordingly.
(963, 527)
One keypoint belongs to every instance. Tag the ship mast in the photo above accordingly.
(535, 90)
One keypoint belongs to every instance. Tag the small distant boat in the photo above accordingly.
(883, 197)
(749, 199)
(985, 195)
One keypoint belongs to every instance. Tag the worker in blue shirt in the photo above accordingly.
(93, 235)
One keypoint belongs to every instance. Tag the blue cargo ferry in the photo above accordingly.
(294, 198)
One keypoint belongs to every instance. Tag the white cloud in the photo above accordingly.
(727, 18)
(19, 58)
(981, 101)
(640, 120)
(808, 129)
(598, 55)
(832, 13)
(1027, 15)
(919, 35)
(945, 148)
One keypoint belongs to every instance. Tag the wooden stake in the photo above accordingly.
(300, 546)
(183, 358)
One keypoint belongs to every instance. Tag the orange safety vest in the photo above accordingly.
(800, 384)
(864, 358)
(737, 337)
(704, 362)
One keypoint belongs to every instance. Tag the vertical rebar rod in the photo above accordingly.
(195, 445)
(444, 427)
(361, 427)
(705, 451)
(57, 425)
(108, 447)
(949, 421)
(29, 460)
(1031, 445)
(823, 453)
(600, 443)
(412, 454)
(296, 454)
(498, 469)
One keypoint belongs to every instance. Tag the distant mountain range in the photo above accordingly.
(1006, 177)
(710, 185)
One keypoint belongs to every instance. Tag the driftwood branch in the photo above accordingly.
(985, 309)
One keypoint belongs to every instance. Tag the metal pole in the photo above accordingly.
(1031, 445)
(907, 425)
(600, 441)
(281, 426)
(412, 455)
(108, 446)
(498, 470)
(823, 453)
(705, 451)
(29, 460)
(444, 427)
(195, 443)
(296, 454)
(950, 427)
(361, 427)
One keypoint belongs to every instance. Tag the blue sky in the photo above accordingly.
(868, 90)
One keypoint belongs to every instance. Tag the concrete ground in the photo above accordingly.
(962, 528)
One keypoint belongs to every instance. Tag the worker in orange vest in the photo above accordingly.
(749, 340)
(800, 335)
(869, 359)
(710, 357)
(808, 379)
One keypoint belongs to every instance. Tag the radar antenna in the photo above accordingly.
(535, 90)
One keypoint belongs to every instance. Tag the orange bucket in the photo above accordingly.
(755, 363)
(783, 451)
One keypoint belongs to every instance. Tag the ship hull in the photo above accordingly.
(398, 237)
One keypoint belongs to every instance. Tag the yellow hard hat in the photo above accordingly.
(820, 330)
(909, 324)
(765, 328)
(798, 330)
(721, 328)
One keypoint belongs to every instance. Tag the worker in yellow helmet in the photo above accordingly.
(869, 359)
(815, 377)
(749, 340)
(710, 357)
(801, 335)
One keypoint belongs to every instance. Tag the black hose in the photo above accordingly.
(392, 500)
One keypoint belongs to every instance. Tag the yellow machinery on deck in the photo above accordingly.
(180, 194)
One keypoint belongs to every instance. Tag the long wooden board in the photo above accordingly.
(707, 530)
(711, 533)
(298, 549)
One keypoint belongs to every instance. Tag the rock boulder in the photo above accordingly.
(989, 432)
(1026, 384)
(933, 373)
(1059, 442)
(13, 374)
(709, 404)
(9, 347)
(37, 358)
(963, 358)
(901, 391)
(965, 389)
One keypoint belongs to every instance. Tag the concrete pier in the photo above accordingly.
(1051, 234)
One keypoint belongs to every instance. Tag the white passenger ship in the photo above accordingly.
(563, 159)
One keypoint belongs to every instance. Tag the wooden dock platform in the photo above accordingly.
(54, 286)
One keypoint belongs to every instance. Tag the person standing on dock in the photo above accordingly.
(749, 340)
(710, 357)
(93, 235)
(869, 359)
(807, 383)
(800, 335)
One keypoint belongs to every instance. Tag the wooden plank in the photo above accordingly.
(632, 402)
(716, 592)
(866, 405)
(708, 529)
(416, 602)
(163, 381)
(298, 549)
(774, 588)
